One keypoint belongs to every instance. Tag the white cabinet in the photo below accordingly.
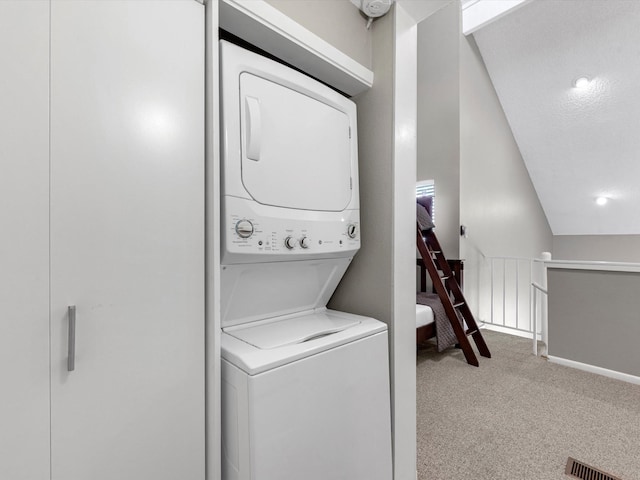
(24, 240)
(104, 210)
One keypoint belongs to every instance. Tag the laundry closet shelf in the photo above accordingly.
(263, 25)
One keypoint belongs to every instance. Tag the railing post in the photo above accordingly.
(533, 320)
(532, 326)
(504, 292)
(517, 293)
(544, 304)
(536, 287)
(545, 256)
(492, 322)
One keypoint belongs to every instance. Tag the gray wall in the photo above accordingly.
(336, 21)
(594, 318)
(366, 288)
(609, 248)
(439, 119)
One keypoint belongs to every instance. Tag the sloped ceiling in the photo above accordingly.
(578, 144)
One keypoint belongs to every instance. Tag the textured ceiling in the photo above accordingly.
(578, 144)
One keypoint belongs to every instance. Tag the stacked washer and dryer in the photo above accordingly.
(305, 389)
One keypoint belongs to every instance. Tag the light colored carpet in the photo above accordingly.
(518, 417)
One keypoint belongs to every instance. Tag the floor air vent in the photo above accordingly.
(580, 470)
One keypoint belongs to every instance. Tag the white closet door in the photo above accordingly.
(24, 240)
(127, 239)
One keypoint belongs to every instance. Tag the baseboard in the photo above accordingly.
(625, 377)
(508, 330)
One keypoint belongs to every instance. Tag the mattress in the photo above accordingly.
(424, 315)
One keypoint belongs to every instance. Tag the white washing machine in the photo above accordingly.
(305, 389)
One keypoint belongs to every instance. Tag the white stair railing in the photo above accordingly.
(516, 303)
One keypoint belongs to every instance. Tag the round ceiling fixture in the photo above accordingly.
(581, 82)
(602, 200)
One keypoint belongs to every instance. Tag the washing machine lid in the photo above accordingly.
(293, 330)
(319, 331)
(296, 150)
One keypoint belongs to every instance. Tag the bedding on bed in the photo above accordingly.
(445, 336)
(424, 315)
(424, 217)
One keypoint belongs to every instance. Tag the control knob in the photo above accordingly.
(290, 242)
(244, 228)
(352, 230)
(305, 242)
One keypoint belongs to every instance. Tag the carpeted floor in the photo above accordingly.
(518, 417)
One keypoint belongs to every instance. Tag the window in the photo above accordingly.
(427, 188)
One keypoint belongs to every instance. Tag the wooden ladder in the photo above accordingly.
(451, 296)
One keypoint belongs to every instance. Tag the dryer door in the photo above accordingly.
(295, 149)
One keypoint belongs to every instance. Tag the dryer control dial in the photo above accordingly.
(244, 228)
(290, 242)
(352, 230)
(305, 242)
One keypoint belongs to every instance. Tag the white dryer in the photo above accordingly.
(305, 389)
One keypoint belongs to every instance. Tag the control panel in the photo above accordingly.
(251, 229)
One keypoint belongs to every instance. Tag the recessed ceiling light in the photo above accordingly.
(581, 82)
(602, 200)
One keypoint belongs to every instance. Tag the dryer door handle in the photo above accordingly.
(254, 128)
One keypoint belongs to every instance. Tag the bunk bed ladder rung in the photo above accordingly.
(435, 262)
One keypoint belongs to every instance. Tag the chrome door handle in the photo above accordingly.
(71, 358)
